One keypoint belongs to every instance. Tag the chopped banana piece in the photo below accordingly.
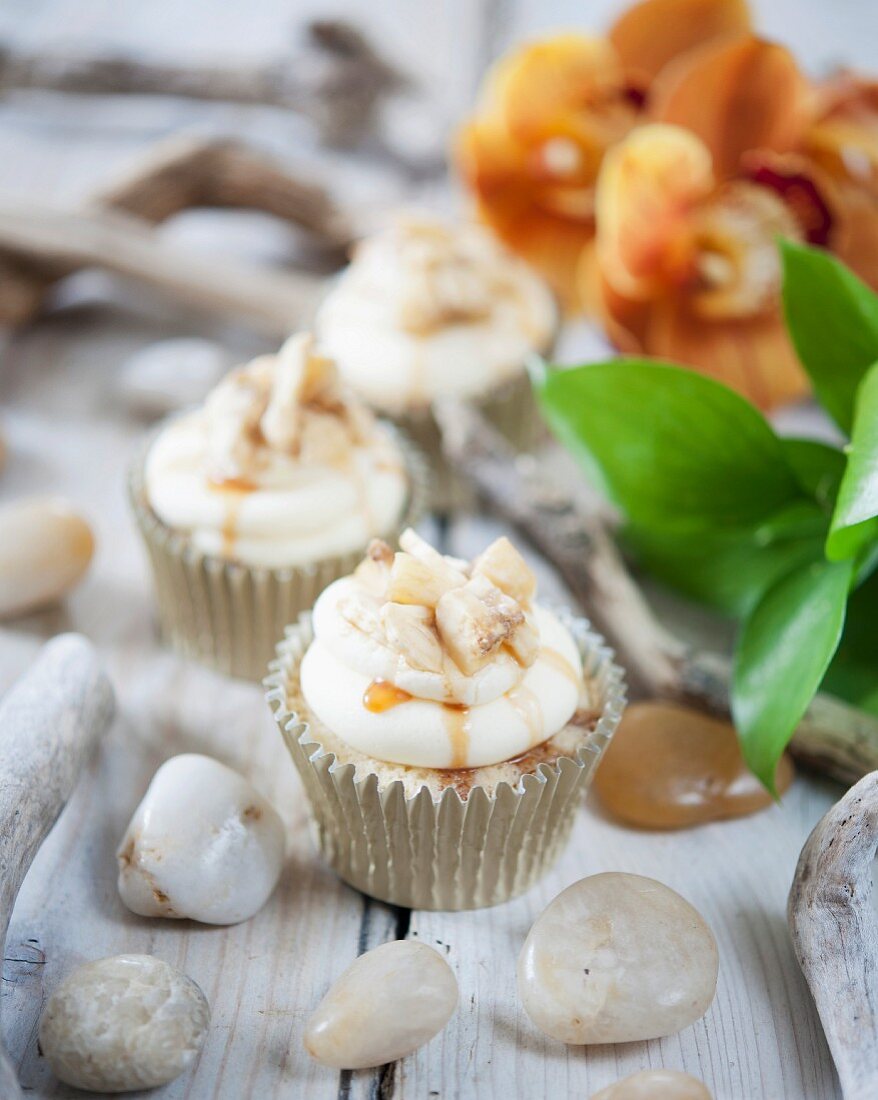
(524, 644)
(474, 621)
(410, 630)
(415, 581)
(363, 612)
(373, 572)
(325, 439)
(502, 564)
(419, 548)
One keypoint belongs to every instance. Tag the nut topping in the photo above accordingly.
(428, 607)
(291, 403)
(502, 564)
(410, 629)
(373, 572)
(474, 621)
(413, 580)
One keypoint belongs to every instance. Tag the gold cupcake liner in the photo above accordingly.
(445, 851)
(228, 615)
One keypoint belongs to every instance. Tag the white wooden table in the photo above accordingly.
(69, 434)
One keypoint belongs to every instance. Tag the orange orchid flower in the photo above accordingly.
(842, 142)
(532, 153)
(549, 112)
(686, 264)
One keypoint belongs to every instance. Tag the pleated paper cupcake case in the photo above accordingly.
(228, 615)
(442, 852)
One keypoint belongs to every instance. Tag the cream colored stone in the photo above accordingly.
(123, 1023)
(656, 1084)
(202, 844)
(617, 958)
(388, 1003)
(45, 548)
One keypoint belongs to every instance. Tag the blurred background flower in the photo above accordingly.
(649, 173)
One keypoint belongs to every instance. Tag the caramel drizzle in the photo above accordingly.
(234, 489)
(527, 706)
(457, 720)
(382, 695)
(559, 663)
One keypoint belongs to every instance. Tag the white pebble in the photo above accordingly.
(656, 1084)
(45, 548)
(388, 1003)
(202, 844)
(171, 374)
(617, 958)
(122, 1023)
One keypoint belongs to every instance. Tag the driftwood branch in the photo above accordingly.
(834, 926)
(47, 244)
(50, 722)
(833, 736)
(182, 173)
(332, 75)
(174, 176)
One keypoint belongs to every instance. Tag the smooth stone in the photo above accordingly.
(387, 1003)
(202, 844)
(123, 1023)
(656, 1084)
(617, 958)
(669, 766)
(170, 375)
(45, 549)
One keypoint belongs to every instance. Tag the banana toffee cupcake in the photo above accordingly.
(444, 723)
(251, 504)
(429, 309)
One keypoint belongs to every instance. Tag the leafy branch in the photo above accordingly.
(781, 533)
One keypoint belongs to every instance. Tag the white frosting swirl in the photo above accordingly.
(513, 708)
(427, 310)
(279, 467)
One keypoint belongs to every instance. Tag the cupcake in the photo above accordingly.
(429, 310)
(251, 504)
(445, 724)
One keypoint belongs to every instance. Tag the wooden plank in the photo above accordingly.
(761, 1037)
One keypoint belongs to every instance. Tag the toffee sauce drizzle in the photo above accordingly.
(382, 695)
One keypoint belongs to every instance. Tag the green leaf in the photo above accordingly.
(669, 447)
(731, 569)
(853, 522)
(783, 651)
(852, 674)
(817, 467)
(832, 318)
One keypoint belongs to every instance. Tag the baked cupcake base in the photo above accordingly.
(229, 615)
(429, 839)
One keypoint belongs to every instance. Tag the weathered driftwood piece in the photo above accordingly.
(835, 737)
(332, 75)
(177, 175)
(834, 925)
(187, 172)
(49, 243)
(50, 721)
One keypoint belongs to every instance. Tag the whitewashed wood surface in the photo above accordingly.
(69, 434)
